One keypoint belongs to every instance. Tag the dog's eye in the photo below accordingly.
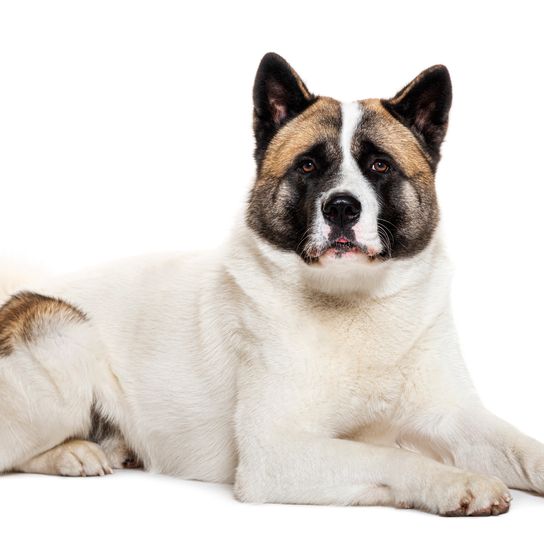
(307, 166)
(381, 167)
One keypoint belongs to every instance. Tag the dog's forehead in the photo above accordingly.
(322, 123)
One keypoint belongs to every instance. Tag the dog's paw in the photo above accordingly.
(466, 494)
(119, 455)
(79, 458)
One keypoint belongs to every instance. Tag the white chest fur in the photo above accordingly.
(335, 362)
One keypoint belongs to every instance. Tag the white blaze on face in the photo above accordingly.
(353, 182)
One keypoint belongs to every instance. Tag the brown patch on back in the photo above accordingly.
(320, 122)
(397, 140)
(24, 315)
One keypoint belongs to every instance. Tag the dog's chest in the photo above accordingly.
(348, 364)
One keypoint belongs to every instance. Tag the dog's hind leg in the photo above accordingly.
(51, 364)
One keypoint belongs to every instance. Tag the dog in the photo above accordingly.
(312, 359)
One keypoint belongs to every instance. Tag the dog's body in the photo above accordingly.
(312, 360)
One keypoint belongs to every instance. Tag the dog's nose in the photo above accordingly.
(342, 210)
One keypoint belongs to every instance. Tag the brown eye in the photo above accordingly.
(380, 166)
(308, 166)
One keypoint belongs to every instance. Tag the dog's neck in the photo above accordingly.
(355, 279)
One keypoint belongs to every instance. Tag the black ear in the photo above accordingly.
(423, 106)
(278, 95)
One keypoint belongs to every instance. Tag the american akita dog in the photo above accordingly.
(312, 359)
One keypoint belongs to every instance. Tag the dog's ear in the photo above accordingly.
(278, 95)
(423, 106)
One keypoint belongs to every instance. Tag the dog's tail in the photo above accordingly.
(15, 275)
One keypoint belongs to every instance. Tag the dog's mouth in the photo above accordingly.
(341, 248)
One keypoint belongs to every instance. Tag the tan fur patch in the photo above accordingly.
(320, 122)
(397, 140)
(24, 315)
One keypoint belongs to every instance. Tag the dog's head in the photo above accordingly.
(346, 182)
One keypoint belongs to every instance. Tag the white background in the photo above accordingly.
(125, 127)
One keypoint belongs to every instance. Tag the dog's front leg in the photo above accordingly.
(474, 439)
(280, 461)
(447, 418)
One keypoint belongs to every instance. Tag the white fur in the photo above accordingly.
(353, 181)
(300, 384)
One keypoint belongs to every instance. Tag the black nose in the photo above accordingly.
(342, 210)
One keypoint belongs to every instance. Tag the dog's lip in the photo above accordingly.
(342, 246)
